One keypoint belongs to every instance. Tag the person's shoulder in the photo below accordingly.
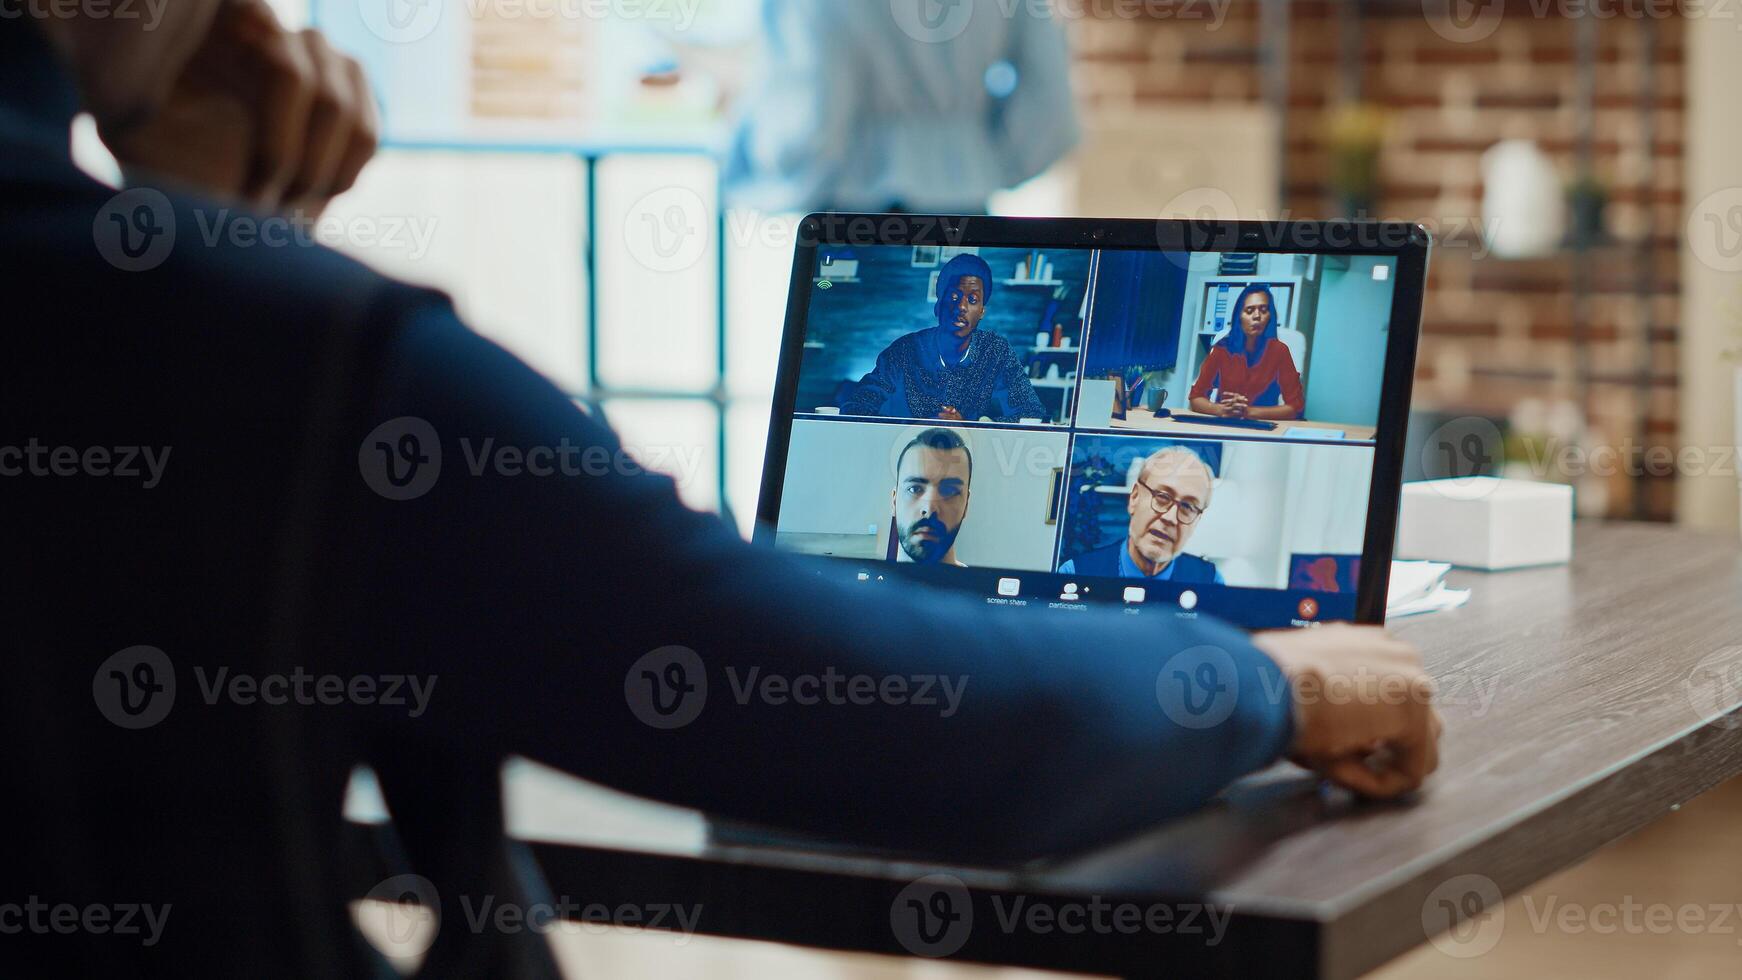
(149, 247)
(1212, 362)
(1099, 561)
(904, 343)
(1191, 568)
(995, 342)
(285, 257)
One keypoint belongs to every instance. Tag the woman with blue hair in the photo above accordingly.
(954, 371)
(1250, 373)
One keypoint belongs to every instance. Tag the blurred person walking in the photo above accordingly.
(908, 105)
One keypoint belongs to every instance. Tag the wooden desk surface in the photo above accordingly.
(1143, 420)
(1581, 703)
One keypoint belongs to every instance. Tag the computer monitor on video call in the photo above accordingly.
(1168, 432)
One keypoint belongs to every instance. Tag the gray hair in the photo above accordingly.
(1181, 452)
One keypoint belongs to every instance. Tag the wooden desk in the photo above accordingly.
(1581, 703)
(1143, 420)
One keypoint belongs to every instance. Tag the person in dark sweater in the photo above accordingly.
(198, 665)
(955, 371)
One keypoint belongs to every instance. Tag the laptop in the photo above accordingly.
(1172, 418)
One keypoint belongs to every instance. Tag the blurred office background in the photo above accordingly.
(564, 161)
(1576, 162)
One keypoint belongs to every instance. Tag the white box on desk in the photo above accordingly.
(1486, 523)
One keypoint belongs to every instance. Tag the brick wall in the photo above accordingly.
(1497, 332)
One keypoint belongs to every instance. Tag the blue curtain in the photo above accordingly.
(1139, 298)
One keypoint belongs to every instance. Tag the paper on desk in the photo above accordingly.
(1442, 598)
(1413, 580)
(1420, 587)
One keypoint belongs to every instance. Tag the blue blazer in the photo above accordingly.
(1104, 562)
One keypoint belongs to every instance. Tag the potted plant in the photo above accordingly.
(1084, 531)
(1587, 203)
(1357, 133)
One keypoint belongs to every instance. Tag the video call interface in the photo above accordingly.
(1176, 432)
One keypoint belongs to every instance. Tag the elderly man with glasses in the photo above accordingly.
(1168, 500)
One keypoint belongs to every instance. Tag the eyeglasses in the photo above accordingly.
(1164, 499)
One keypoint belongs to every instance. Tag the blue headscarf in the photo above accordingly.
(953, 273)
(1235, 342)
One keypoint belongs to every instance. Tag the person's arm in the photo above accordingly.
(871, 395)
(1293, 395)
(1208, 376)
(274, 118)
(532, 597)
(535, 597)
(1014, 398)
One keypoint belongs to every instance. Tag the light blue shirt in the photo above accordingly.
(1128, 569)
(930, 104)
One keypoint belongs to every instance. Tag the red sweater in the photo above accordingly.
(1230, 373)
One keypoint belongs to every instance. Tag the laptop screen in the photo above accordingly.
(1166, 432)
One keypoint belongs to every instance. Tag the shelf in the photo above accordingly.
(1035, 283)
(1056, 350)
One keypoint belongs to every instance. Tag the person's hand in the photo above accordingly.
(950, 413)
(1235, 405)
(274, 119)
(1363, 707)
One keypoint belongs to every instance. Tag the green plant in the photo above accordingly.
(1085, 519)
(1356, 134)
(1587, 201)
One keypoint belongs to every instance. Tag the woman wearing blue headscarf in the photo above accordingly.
(954, 371)
(1250, 373)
